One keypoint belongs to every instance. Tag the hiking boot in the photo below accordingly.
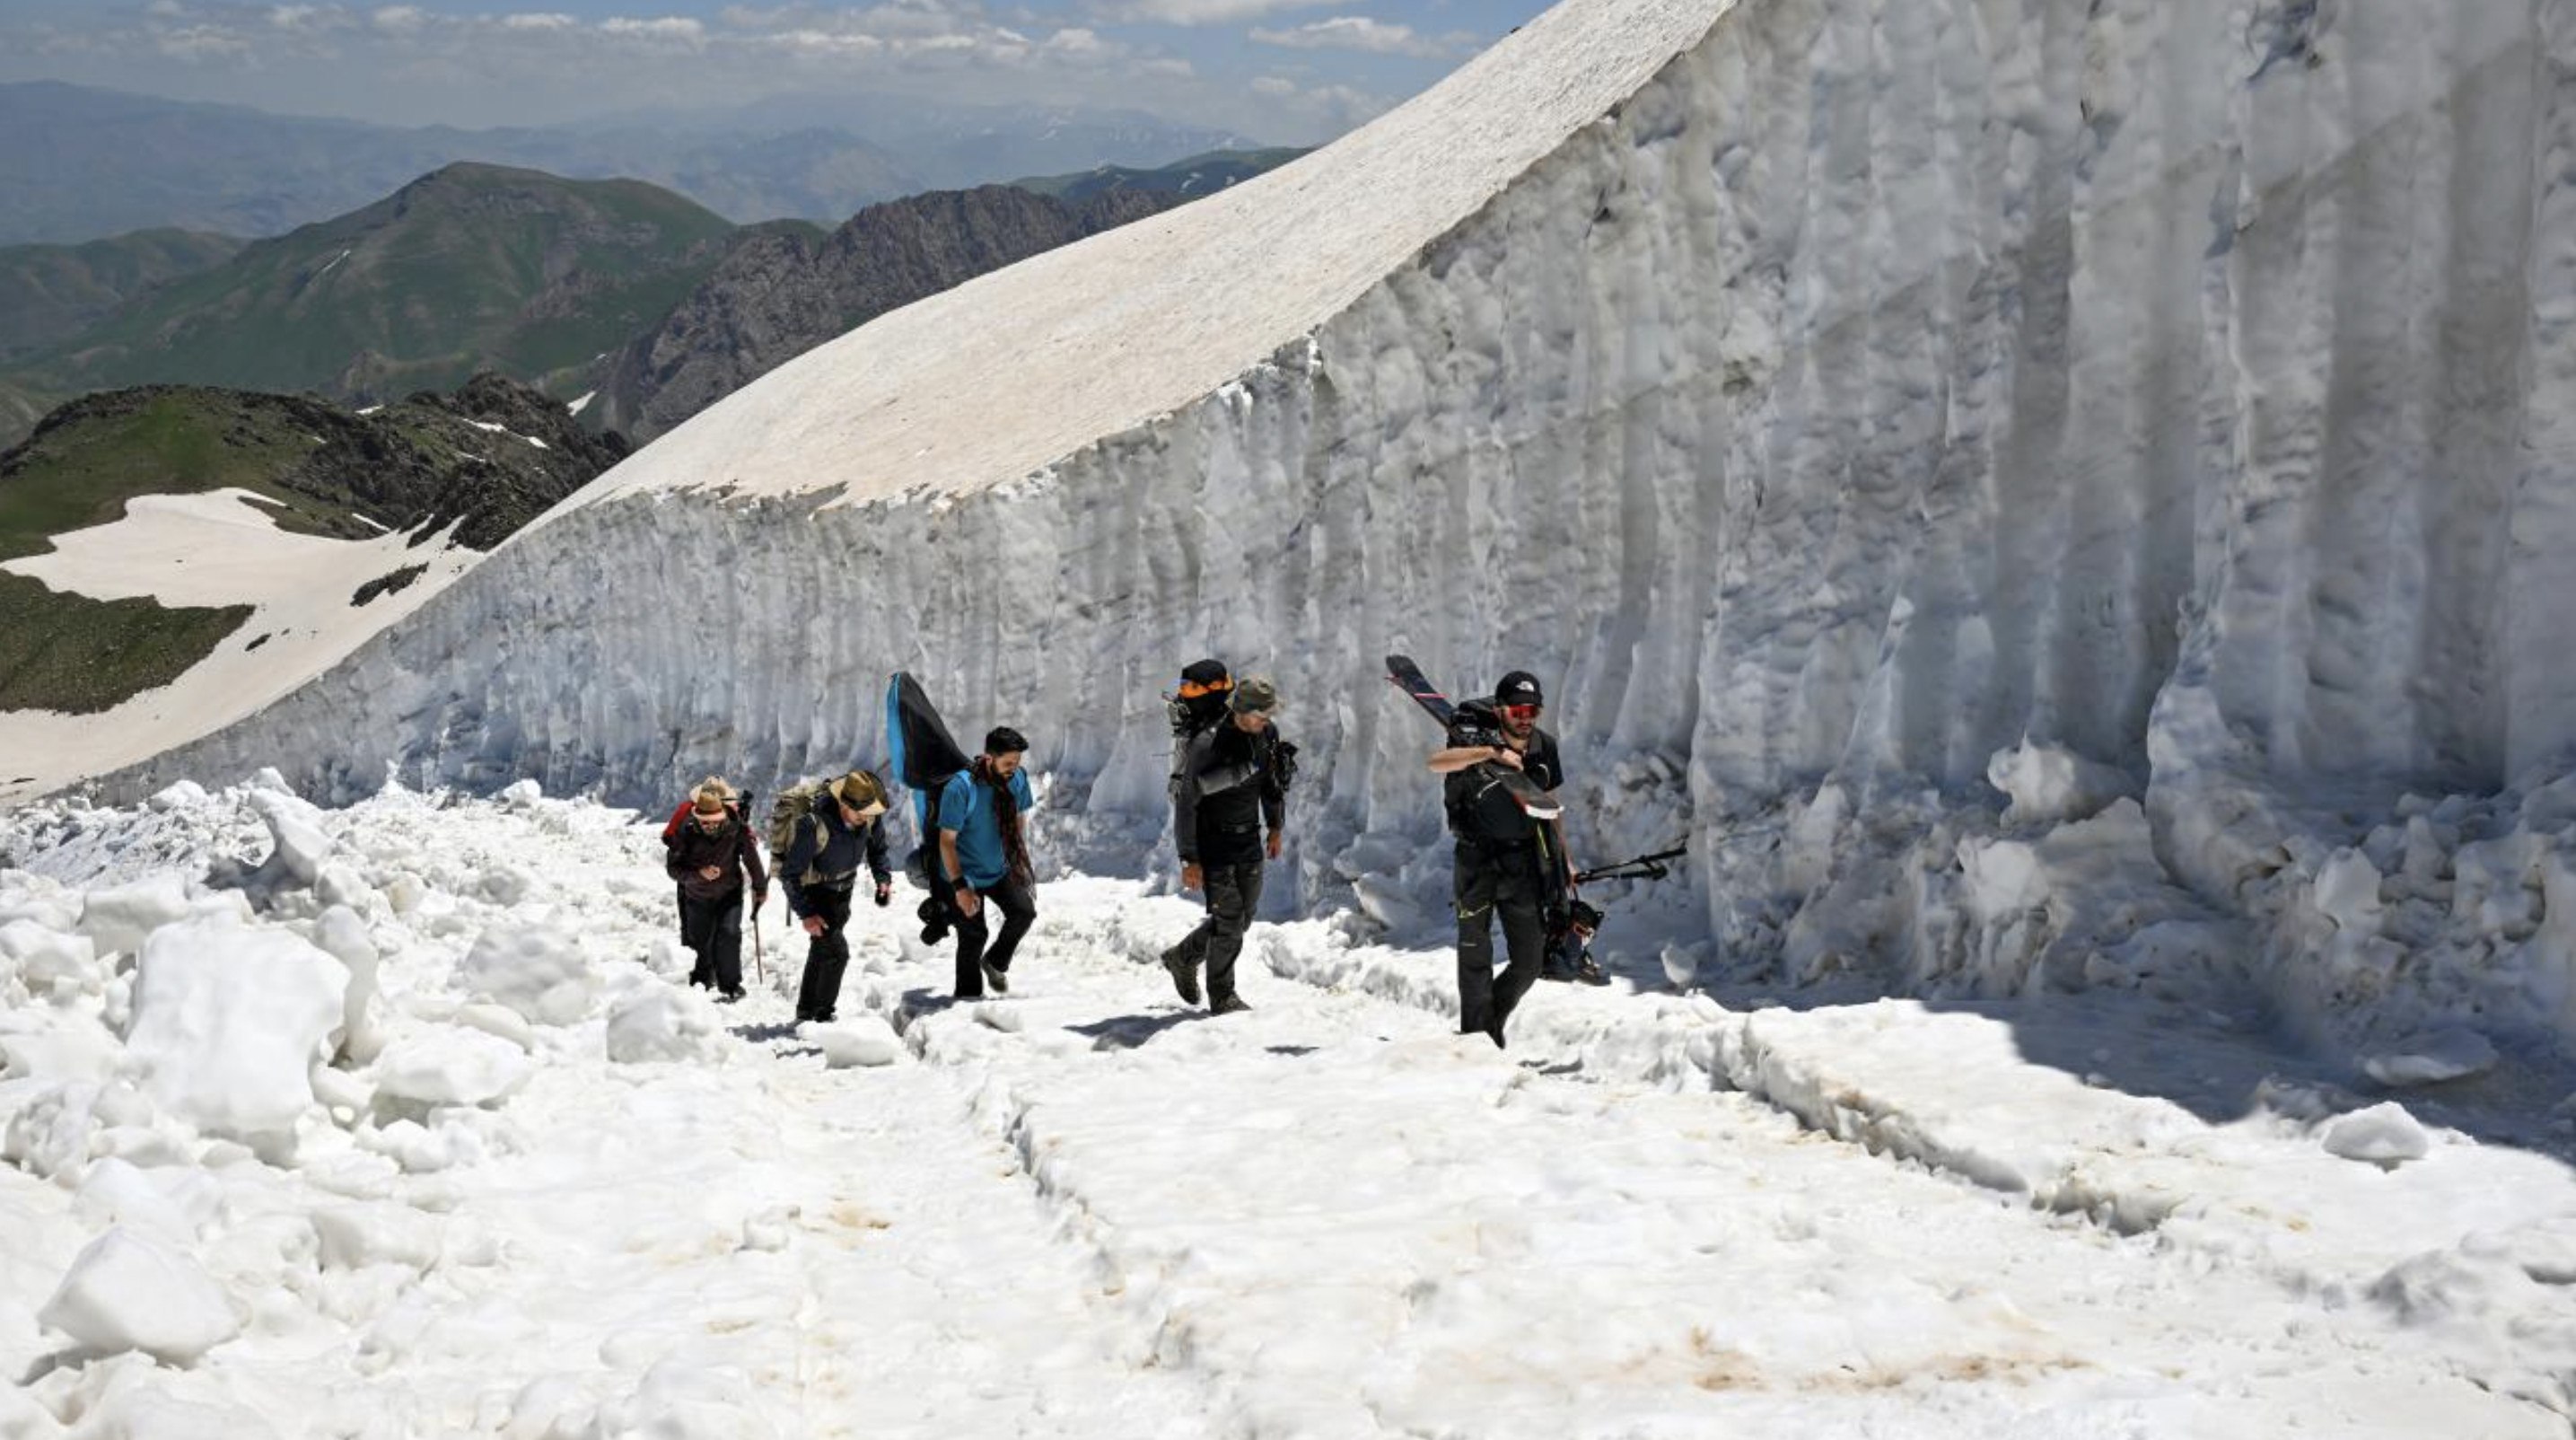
(729, 997)
(1228, 1005)
(997, 981)
(1590, 973)
(1185, 977)
(1557, 973)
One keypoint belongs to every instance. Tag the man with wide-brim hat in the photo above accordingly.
(820, 871)
(711, 854)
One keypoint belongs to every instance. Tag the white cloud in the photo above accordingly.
(822, 42)
(200, 44)
(400, 19)
(165, 10)
(1081, 44)
(300, 17)
(1274, 85)
(540, 20)
(667, 27)
(1356, 32)
(1193, 12)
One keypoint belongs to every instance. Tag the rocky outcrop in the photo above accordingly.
(781, 294)
(489, 458)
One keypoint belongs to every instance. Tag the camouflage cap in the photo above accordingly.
(1254, 695)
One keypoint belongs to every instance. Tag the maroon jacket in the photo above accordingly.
(730, 848)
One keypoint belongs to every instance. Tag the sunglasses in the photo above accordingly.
(1520, 712)
(1192, 689)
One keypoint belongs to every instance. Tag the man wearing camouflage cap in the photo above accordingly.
(1229, 816)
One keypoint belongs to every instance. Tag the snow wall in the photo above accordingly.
(2093, 479)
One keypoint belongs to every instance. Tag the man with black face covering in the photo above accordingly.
(1230, 815)
(1501, 852)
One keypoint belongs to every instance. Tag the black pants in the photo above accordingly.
(819, 995)
(1233, 894)
(1490, 882)
(1019, 909)
(712, 929)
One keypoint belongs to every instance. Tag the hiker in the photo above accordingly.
(711, 853)
(1233, 790)
(819, 870)
(1502, 853)
(984, 857)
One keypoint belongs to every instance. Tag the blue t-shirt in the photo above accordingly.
(967, 808)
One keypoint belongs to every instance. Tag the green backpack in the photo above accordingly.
(789, 809)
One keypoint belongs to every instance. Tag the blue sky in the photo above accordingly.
(1292, 71)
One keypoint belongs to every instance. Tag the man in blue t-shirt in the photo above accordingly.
(984, 857)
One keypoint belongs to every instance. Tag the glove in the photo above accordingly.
(759, 898)
(1284, 760)
(885, 893)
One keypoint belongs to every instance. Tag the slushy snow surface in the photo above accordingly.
(566, 1198)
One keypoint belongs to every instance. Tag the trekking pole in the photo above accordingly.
(757, 969)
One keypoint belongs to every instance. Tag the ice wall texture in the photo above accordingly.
(2188, 386)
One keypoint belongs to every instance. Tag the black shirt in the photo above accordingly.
(1229, 787)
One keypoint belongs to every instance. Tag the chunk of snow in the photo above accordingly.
(341, 933)
(2383, 1135)
(660, 1023)
(2049, 784)
(227, 1019)
(450, 1066)
(2431, 1058)
(119, 917)
(535, 971)
(295, 830)
(44, 957)
(125, 1293)
(865, 1040)
(179, 795)
(123, 1194)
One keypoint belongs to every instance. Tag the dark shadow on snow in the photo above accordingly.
(1126, 1032)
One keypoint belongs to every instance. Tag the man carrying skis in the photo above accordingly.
(1233, 788)
(1501, 850)
(820, 871)
(710, 852)
(984, 857)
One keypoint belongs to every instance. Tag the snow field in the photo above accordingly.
(1084, 1210)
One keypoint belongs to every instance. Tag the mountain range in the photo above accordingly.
(574, 286)
(84, 163)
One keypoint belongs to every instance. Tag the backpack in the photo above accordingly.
(789, 810)
(1195, 709)
(1479, 806)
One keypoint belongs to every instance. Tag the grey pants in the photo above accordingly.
(1233, 894)
(1492, 881)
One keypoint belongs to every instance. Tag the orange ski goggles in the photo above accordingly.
(1192, 690)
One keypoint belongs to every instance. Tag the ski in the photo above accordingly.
(1408, 677)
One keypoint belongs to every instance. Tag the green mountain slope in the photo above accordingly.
(49, 293)
(424, 463)
(469, 268)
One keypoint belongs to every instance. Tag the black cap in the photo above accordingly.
(1003, 740)
(1203, 672)
(1518, 688)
